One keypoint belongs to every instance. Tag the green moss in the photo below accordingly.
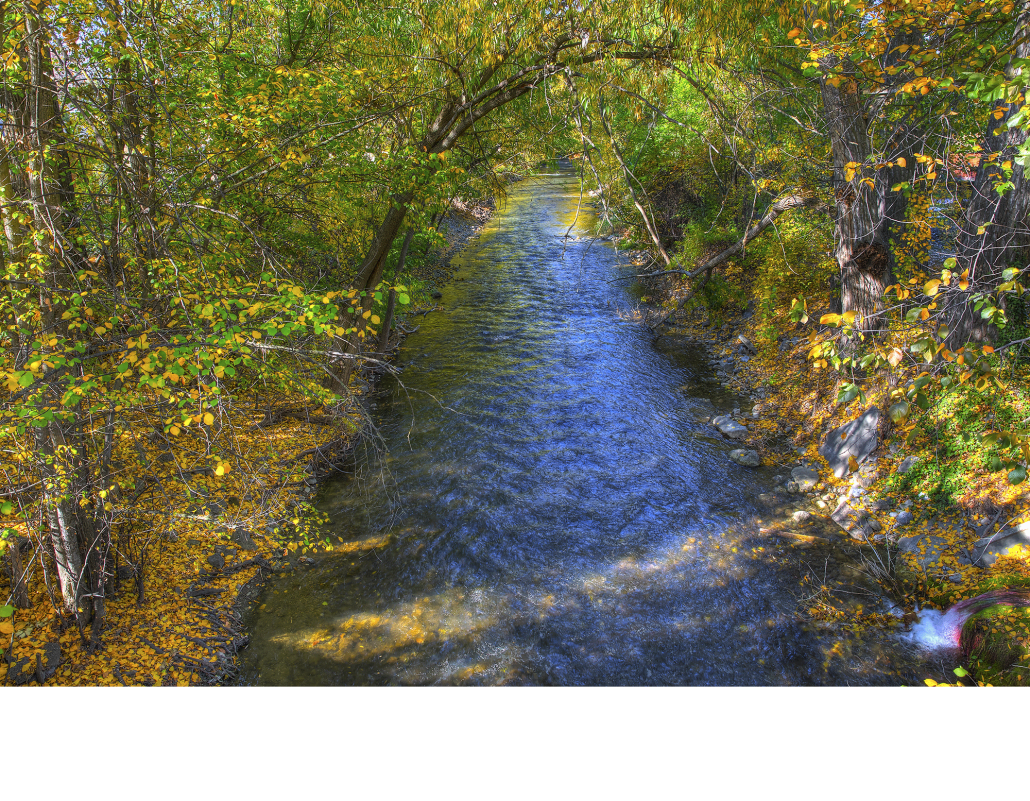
(1001, 645)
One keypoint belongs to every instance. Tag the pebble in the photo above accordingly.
(904, 518)
(216, 561)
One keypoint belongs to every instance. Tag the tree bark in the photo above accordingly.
(59, 502)
(861, 243)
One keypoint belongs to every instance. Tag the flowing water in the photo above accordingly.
(547, 506)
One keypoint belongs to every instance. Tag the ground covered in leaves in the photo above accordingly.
(170, 616)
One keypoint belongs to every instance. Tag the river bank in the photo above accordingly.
(175, 615)
(917, 527)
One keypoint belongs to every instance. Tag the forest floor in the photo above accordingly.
(918, 512)
(205, 545)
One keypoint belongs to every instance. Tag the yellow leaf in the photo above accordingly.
(209, 419)
(930, 287)
(794, 33)
(988, 349)
(895, 357)
(6, 627)
(930, 682)
(829, 319)
(901, 161)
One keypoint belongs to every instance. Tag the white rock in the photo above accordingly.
(729, 427)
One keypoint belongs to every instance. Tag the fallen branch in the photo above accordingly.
(258, 561)
(793, 201)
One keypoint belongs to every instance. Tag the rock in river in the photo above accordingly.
(806, 477)
(730, 427)
(855, 439)
(745, 457)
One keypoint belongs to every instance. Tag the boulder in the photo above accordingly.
(986, 551)
(745, 457)
(801, 516)
(856, 439)
(850, 519)
(907, 464)
(924, 550)
(729, 427)
(805, 477)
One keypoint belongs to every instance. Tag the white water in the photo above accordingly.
(935, 630)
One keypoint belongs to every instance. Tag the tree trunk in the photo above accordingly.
(384, 334)
(18, 549)
(861, 244)
(59, 503)
(993, 234)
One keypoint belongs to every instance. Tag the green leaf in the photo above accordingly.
(25, 379)
(403, 299)
(848, 393)
(1018, 475)
(899, 411)
(6, 611)
(6, 507)
(960, 672)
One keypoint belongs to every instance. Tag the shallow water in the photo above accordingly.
(546, 506)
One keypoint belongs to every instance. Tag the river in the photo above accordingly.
(544, 503)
